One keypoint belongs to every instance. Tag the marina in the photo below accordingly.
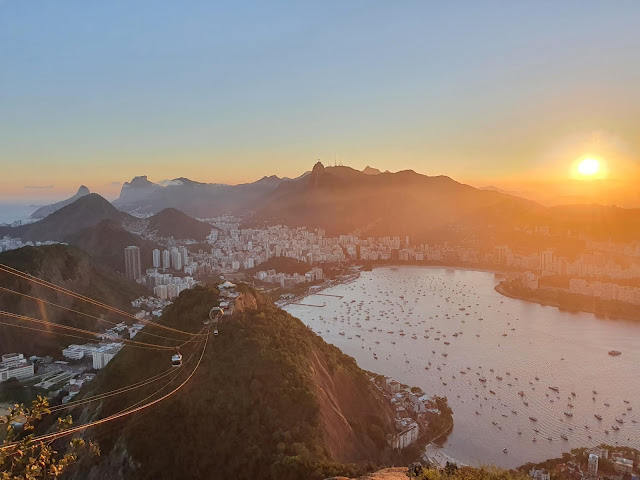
(548, 386)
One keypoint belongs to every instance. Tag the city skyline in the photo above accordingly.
(491, 94)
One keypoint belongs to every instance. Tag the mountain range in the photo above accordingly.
(97, 227)
(339, 199)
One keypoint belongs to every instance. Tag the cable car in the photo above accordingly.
(176, 359)
(215, 332)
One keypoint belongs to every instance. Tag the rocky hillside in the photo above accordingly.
(67, 267)
(270, 399)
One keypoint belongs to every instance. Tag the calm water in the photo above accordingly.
(10, 212)
(562, 349)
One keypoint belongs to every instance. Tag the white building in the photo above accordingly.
(593, 465)
(539, 474)
(104, 354)
(406, 437)
(156, 258)
(14, 365)
(166, 259)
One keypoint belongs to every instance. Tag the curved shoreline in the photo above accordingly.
(585, 307)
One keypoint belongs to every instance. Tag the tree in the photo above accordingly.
(23, 457)
(450, 468)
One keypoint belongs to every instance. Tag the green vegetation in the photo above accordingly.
(452, 472)
(252, 410)
(23, 458)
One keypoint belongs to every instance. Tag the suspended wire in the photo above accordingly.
(31, 278)
(86, 332)
(123, 413)
(120, 390)
(81, 313)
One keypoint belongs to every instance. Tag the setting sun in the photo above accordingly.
(589, 167)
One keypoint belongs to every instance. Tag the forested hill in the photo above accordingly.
(270, 399)
(67, 267)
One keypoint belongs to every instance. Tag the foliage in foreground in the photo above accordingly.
(23, 458)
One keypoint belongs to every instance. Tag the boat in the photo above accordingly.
(533, 419)
(615, 353)
(505, 450)
(619, 420)
(568, 413)
(555, 389)
(564, 436)
(598, 416)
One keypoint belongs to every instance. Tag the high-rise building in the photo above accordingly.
(184, 254)
(132, 262)
(156, 258)
(593, 465)
(176, 260)
(166, 259)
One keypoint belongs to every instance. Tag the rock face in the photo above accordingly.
(49, 209)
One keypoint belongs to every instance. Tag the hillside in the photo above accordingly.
(171, 222)
(106, 242)
(85, 212)
(97, 227)
(69, 268)
(270, 400)
(344, 200)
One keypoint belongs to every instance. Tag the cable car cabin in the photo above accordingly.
(215, 332)
(176, 360)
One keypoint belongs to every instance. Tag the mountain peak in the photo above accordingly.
(47, 210)
(371, 171)
(317, 168)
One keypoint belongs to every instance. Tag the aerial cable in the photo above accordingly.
(66, 291)
(123, 413)
(80, 330)
(83, 313)
(120, 390)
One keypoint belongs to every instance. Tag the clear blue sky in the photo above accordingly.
(95, 92)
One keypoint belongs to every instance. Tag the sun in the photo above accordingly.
(589, 167)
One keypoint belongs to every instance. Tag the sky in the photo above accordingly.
(495, 92)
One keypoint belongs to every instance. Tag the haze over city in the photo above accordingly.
(363, 240)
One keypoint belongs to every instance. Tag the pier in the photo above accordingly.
(308, 305)
(328, 295)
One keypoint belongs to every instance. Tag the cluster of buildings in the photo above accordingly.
(606, 290)
(178, 259)
(574, 467)
(10, 243)
(286, 280)
(14, 365)
(100, 354)
(412, 409)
